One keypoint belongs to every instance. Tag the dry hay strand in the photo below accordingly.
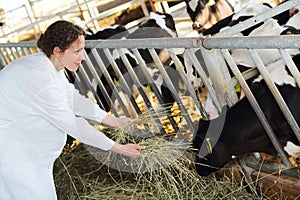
(163, 171)
(79, 175)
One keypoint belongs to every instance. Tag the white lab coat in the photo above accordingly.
(38, 107)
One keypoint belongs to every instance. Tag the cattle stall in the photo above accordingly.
(211, 60)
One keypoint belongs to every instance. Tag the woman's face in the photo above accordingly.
(74, 55)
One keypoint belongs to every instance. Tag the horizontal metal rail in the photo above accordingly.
(207, 45)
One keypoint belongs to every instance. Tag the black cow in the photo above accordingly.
(238, 131)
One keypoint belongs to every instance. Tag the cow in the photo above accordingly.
(159, 25)
(238, 131)
(251, 9)
(269, 27)
(205, 13)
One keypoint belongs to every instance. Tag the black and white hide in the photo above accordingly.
(238, 131)
(251, 9)
(159, 25)
(205, 13)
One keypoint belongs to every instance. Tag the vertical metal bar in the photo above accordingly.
(280, 101)
(205, 79)
(188, 84)
(7, 54)
(31, 51)
(256, 107)
(102, 88)
(154, 88)
(291, 65)
(139, 86)
(2, 59)
(125, 86)
(17, 50)
(171, 88)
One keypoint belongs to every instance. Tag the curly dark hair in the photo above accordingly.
(59, 34)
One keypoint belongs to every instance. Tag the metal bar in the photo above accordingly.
(291, 65)
(3, 60)
(139, 87)
(259, 18)
(188, 85)
(253, 42)
(171, 88)
(125, 86)
(256, 107)
(154, 88)
(110, 81)
(280, 101)
(45, 18)
(135, 79)
(205, 79)
(12, 52)
(8, 54)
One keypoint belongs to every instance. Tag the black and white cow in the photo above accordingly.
(251, 9)
(270, 27)
(205, 13)
(238, 131)
(159, 25)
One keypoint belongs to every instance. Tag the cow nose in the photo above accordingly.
(196, 26)
(293, 11)
(193, 84)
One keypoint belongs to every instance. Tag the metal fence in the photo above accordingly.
(216, 57)
(26, 22)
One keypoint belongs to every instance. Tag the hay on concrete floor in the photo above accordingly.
(162, 172)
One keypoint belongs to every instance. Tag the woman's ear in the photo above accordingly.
(57, 51)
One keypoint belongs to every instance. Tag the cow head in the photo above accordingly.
(211, 153)
(205, 13)
(198, 14)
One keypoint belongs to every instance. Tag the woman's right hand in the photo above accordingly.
(130, 150)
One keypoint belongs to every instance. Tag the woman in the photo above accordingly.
(38, 107)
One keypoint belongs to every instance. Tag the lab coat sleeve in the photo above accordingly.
(83, 106)
(53, 106)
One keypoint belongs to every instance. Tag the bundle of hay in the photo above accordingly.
(164, 171)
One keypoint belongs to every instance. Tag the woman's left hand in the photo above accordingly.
(126, 122)
(118, 123)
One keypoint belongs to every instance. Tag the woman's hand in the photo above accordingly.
(130, 150)
(119, 122)
(126, 122)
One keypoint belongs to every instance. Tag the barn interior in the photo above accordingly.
(77, 180)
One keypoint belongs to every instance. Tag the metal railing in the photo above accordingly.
(217, 59)
(91, 15)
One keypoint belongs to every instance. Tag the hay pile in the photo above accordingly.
(80, 175)
(164, 171)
